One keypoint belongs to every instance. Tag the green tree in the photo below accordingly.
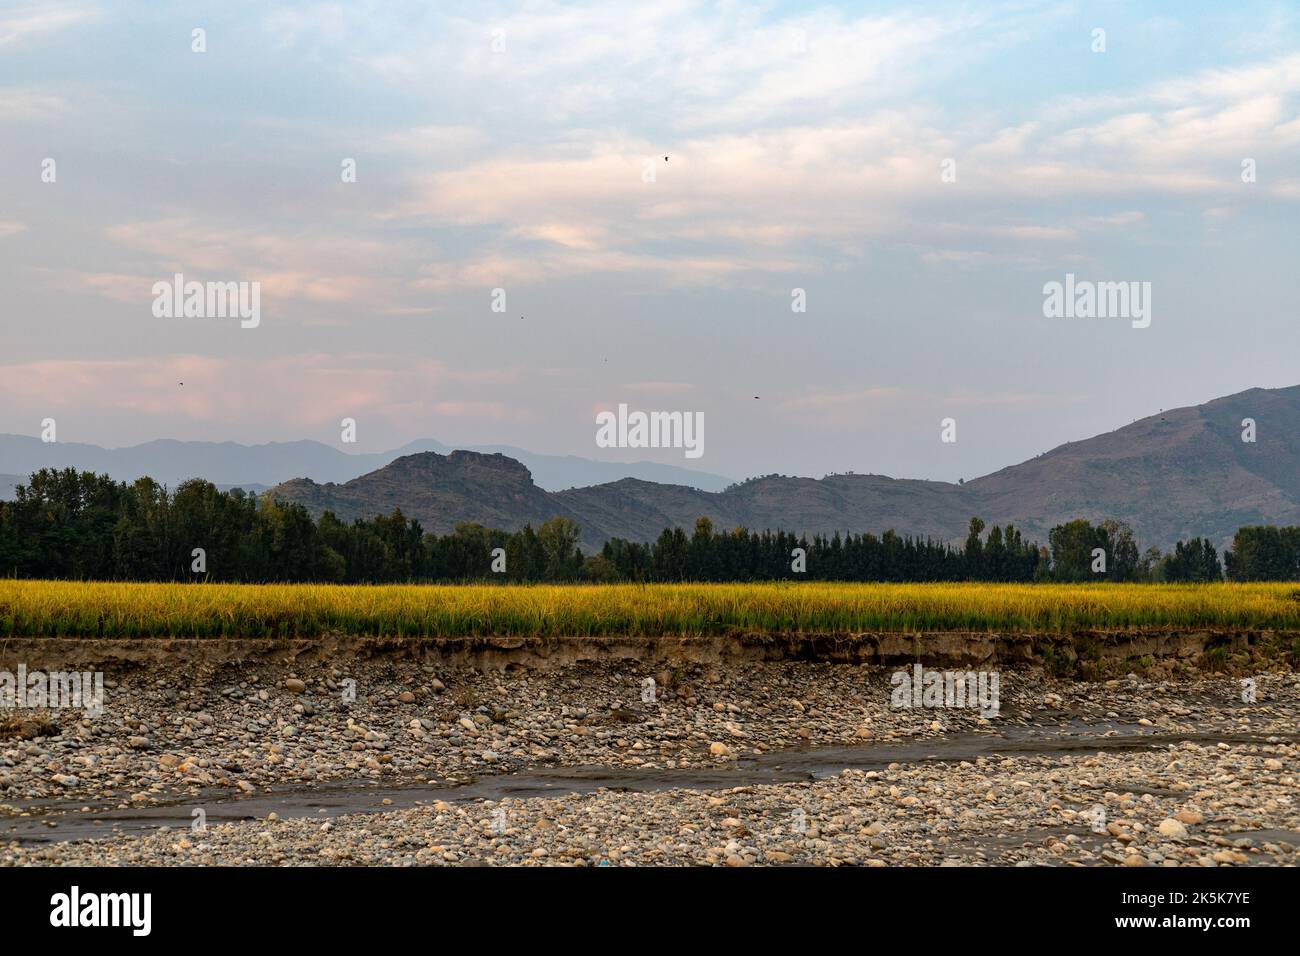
(558, 538)
(1072, 547)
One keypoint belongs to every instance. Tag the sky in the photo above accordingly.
(919, 171)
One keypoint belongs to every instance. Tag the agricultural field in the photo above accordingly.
(122, 610)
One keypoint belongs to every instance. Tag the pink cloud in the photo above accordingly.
(306, 390)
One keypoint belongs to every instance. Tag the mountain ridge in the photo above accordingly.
(256, 467)
(1174, 475)
(1181, 473)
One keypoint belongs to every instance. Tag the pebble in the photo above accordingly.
(169, 743)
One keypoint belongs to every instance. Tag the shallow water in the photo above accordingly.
(61, 822)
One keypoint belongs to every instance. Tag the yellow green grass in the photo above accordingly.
(103, 609)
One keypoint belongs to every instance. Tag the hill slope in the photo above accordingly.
(1178, 474)
(252, 467)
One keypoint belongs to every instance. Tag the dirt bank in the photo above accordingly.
(1085, 654)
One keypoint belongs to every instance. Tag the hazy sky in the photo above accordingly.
(504, 146)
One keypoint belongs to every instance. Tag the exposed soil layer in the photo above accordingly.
(1088, 653)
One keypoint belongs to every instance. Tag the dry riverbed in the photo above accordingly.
(735, 765)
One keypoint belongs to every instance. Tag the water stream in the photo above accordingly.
(51, 822)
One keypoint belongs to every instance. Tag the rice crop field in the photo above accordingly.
(125, 610)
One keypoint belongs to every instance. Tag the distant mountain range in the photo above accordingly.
(257, 467)
(1180, 474)
(1176, 475)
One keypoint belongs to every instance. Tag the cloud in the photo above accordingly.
(30, 20)
(433, 141)
(21, 104)
(321, 267)
(842, 409)
(309, 390)
(805, 146)
(120, 287)
(587, 64)
(797, 144)
(816, 191)
(658, 388)
(1129, 217)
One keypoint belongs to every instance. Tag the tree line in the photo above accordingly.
(78, 525)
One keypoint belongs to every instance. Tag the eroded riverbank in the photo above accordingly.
(291, 761)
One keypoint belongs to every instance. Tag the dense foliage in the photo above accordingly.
(742, 555)
(1264, 553)
(77, 525)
